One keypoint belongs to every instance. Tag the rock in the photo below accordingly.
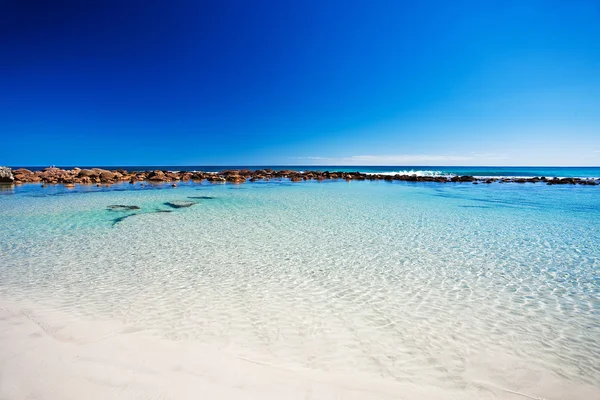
(86, 172)
(179, 203)
(121, 219)
(172, 176)
(215, 178)
(6, 175)
(236, 179)
(120, 207)
(296, 179)
(157, 176)
(107, 176)
(25, 175)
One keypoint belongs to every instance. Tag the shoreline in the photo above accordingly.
(70, 177)
(108, 359)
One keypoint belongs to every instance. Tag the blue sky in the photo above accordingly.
(300, 82)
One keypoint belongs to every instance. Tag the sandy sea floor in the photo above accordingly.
(336, 290)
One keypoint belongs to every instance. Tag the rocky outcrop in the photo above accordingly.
(235, 179)
(25, 175)
(158, 176)
(6, 175)
(98, 176)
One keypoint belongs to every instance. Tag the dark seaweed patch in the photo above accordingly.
(121, 219)
(179, 204)
(120, 207)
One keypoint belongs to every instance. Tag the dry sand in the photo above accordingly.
(49, 355)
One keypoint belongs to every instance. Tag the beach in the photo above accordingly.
(314, 289)
(47, 355)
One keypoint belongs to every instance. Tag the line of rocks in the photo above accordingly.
(69, 178)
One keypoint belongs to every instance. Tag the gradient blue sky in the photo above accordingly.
(300, 82)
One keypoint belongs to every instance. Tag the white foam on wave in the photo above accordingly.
(411, 173)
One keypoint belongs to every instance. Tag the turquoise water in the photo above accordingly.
(422, 282)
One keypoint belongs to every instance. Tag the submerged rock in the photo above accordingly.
(201, 197)
(179, 203)
(6, 175)
(120, 207)
(121, 219)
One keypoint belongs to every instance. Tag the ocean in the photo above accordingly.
(482, 291)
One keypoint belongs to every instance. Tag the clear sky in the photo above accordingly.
(300, 82)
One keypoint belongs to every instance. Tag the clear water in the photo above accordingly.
(419, 282)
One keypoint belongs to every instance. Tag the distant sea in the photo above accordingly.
(549, 172)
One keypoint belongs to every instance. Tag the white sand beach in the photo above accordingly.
(53, 357)
(48, 355)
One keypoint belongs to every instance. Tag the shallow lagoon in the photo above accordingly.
(451, 285)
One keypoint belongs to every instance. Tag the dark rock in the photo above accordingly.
(120, 207)
(121, 219)
(179, 204)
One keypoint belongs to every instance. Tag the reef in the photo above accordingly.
(97, 176)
